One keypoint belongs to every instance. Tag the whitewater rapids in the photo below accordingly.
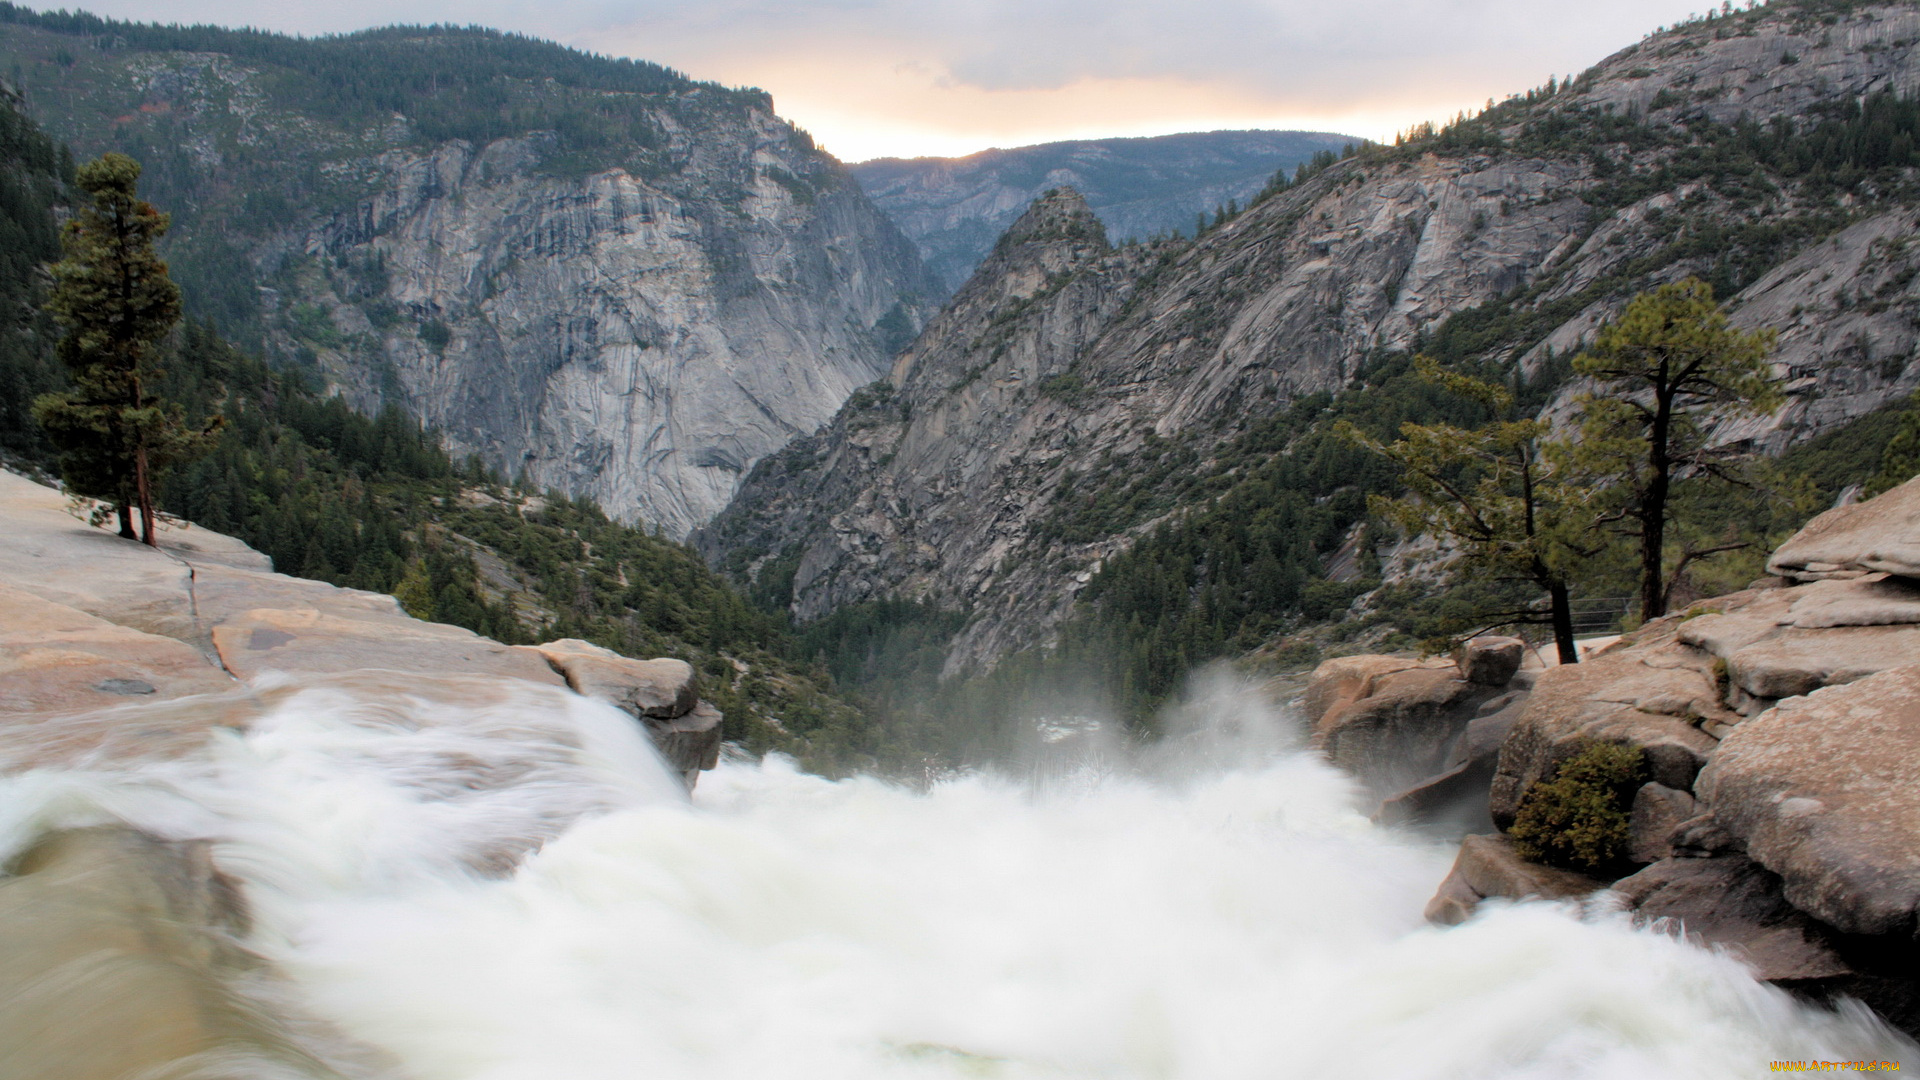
(512, 887)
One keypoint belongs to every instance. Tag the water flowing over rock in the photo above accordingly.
(116, 954)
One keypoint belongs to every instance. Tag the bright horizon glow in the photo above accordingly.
(909, 78)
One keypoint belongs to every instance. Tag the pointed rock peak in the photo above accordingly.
(1062, 214)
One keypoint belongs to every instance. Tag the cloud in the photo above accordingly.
(873, 76)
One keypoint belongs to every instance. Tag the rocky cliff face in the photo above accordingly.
(612, 336)
(955, 208)
(1529, 226)
(632, 289)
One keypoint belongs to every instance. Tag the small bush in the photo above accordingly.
(435, 335)
(1579, 818)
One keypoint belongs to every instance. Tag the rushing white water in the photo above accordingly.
(1219, 911)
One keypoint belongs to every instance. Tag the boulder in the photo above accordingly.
(1658, 811)
(1345, 679)
(1881, 535)
(690, 742)
(662, 694)
(1734, 903)
(1824, 791)
(1655, 695)
(662, 688)
(1455, 799)
(1487, 866)
(1490, 661)
(1403, 729)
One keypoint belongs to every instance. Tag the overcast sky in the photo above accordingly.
(871, 78)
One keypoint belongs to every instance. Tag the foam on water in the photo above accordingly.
(1216, 911)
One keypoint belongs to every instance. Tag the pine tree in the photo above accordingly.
(1667, 365)
(113, 297)
(1498, 493)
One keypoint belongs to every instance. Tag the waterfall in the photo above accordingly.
(496, 884)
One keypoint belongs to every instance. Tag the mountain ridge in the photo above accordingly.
(594, 273)
(1139, 186)
(1502, 240)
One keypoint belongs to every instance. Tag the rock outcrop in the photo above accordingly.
(109, 648)
(1487, 867)
(1824, 790)
(1877, 537)
(1779, 731)
(662, 694)
(1422, 737)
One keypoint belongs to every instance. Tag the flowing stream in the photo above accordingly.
(510, 887)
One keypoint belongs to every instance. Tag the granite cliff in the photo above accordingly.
(598, 273)
(1068, 371)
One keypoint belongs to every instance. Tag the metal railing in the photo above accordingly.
(1601, 614)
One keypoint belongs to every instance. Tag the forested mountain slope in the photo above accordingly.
(955, 208)
(594, 272)
(377, 503)
(1148, 430)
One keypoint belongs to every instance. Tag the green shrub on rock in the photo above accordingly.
(1579, 818)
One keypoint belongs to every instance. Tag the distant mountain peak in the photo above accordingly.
(1059, 214)
(955, 209)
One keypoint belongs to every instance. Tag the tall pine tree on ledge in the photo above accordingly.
(113, 297)
(1667, 368)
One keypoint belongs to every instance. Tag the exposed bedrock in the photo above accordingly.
(123, 954)
(109, 647)
(1778, 730)
(118, 955)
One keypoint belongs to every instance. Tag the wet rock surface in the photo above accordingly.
(1488, 867)
(663, 694)
(117, 955)
(1734, 902)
